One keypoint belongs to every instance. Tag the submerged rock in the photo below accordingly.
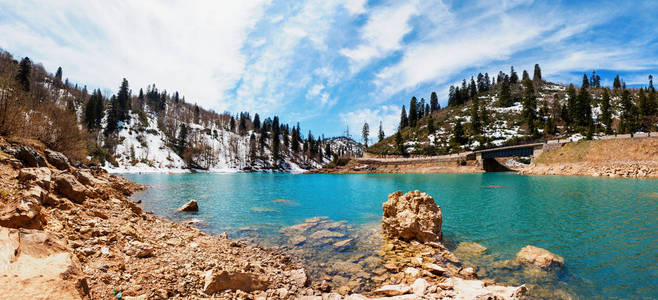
(189, 206)
(540, 257)
(412, 216)
(393, 290)
(219, 280)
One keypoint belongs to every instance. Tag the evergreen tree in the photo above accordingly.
(458, 133)
(421, 109)
(90, 112)
(549, 127)
(123, 98)
(257, 121)
(472, 89)
(617, 83)
(475, 116)
(294, 143)
(398, 143)
(487, 82)
(24, 72)
(451, 96)
(58, 77)
(181, 141)
(197, 112)
(112, 116)
(430, 125)
(404, 121)
(176, 97)
(262, 139)
(434, 102)
(572, 108)
(606, 112)
(646, 110)
(628, 123)
(583, 116)
(327, 151)
(525, 77)
(381, 135)
(537, 76)
(426, 110)
(232, 124)
(276, 142)
(505, 99)
(484, 116)
(585, 83)
(365, 132)
(242, 128)
(252, 147)
(514, 78)
(413, 111)
(529, 112)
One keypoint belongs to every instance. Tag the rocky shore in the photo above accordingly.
(71, 232)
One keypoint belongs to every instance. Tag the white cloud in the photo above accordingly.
(194, 49)
(389, 115)
(382, 33)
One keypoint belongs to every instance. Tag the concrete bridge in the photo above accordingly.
(487, 157)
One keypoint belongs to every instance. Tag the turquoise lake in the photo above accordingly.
(606, 229)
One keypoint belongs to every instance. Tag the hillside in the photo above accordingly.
(151, 130)
(523, 111)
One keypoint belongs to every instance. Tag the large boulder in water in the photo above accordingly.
(189, 206)
(539, 257)
(412, 216)
(38, 264)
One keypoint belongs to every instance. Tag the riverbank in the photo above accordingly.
(73, 233)
(634, 158)
(402, 165)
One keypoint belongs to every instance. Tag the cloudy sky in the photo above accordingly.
(329, 64)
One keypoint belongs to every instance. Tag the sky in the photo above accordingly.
(329, 64)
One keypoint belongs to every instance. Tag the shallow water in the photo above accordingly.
(606, 229)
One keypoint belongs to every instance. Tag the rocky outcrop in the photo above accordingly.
(412, 216)
(57, 159)
(39, 265)
(189, 206)
(219, 280)
(41, 176)
(540, 257)
(20, 213)
(67, 186)
(30, 157)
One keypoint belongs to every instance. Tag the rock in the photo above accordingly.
(469, 249)
(35, 194)
(140, 297)
(138, 249)
(85, 177)
(189, 206)
(40, 176)
(412, 216)
(419, 287)
(30, 157)
(539, 257)
(413, 272)
(435, 269)
(391, 290)
(297, 240)
(298, 277)
(67, 186)
(467, 272)
(38, 265)
(58, 160)
(322, 234)
(343, 244)
(19, 213)
(219, 280)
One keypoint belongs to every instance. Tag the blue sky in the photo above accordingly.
(329, 64)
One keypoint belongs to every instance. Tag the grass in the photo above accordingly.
(645, 149)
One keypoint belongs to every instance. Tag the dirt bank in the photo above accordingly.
(402, 165)
(637, 158)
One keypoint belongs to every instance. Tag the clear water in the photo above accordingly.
(606, 229)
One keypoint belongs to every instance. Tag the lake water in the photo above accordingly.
(606, 229)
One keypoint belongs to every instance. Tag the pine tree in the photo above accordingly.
(606, 112)
(617, 83)
(537, 76)
(123, 98)
(398, 143)
(434, 102)
(381, 135)
(242, 128)
(421, 109)
(112, 116)
(58, 77)
(585, 83)
(529, 112)
(276, 142)
(413, 110)
(252, 147)
(451, 96)
(90, 112)
(505, 99)
(365, 132)
(514, 78)
(646, 110)
(472, 89)
(430, 125)
(475, 116)
(327, 151)
(583, 116)
(262, 139)
(232, 124)
(197, 112)
(24, 72)
(181, 141)
(628, 121)
(256, 121)
(572, 108)
(525, 77)
(100, 109)
(458, 133)
(404, 120)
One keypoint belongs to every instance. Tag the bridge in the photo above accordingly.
(486, 157)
